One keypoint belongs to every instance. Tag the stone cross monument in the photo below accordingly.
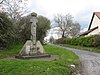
(32, 48)
(33, 21)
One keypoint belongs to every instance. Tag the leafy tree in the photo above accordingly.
(66, 25)
(42, 26)
(24, 26)
(15, 10)
(6, 30)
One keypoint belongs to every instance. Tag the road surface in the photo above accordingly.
(90, 61)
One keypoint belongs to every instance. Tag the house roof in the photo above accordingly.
(88, 31)
(97, 14)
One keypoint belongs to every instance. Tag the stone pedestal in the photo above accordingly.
(26, 53)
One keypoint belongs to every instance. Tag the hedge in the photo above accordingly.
(88, 41)
(96, 40)
(61, 41)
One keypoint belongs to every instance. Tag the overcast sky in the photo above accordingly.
(81, 10)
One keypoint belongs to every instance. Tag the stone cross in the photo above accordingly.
(33, 21)
(32, 48)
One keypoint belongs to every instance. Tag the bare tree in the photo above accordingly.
(66, 25)
(1, 1)
(75, 29)
(14, 8)
(64, 22)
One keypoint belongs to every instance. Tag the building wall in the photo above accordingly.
(96, 31)
(95, 23)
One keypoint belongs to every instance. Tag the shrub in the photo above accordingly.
(6, 30)
(61, 41)
(82, 41)
(88, 41)
(96, 42)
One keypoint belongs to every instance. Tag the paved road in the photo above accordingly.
(90, 61)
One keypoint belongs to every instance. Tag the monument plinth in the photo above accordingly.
(32, 48)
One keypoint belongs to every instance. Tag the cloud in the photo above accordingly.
(52, 7)
(82, 10)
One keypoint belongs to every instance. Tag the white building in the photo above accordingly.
(94, 27)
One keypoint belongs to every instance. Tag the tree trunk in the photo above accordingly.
(63, 34)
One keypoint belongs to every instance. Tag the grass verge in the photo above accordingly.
(94, 49)
(12, 51)
(32, 67)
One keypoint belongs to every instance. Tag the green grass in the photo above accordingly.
(65, 55)
(33, 67)
(12, 51)
(94, 49)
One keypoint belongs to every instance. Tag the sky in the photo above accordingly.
(81, 10)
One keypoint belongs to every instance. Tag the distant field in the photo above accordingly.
(33, 67)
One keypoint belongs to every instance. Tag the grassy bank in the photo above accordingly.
(11, 51)
(32, 67)
(94, 49)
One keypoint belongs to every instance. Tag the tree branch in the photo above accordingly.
(1, 2)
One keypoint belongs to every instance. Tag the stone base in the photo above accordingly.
(33, 56)
(27, 52)
(27, 49)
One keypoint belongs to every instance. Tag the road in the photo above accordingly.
(90, 61)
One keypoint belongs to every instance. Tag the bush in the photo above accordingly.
(82, 41)
(6, 30)
(96, 42)
(61, 41)
(89, 41)
(86, 41)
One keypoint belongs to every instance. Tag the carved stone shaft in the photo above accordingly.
(33, 30)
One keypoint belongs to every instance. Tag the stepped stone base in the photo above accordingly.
(26, 53)
(34, 56)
